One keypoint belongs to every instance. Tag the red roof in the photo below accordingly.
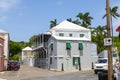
(118, 29)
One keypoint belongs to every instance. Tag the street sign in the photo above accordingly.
(107, 41)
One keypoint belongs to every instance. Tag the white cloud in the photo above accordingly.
(3, 18)
(5, 5)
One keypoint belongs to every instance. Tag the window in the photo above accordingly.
(102, 61)
(81, 35)
(80, 46)
(61, 34)
(68, 46)
(51, 46)
(70, 35)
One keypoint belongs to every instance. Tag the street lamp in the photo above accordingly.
(110, 66)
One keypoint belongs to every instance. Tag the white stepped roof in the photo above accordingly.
(2, 31)
(47, 33)
(27, 49)
(66, 25)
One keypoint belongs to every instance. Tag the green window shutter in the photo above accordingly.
(79, 60)
(73, 60)
(80, 47)
(68, 46)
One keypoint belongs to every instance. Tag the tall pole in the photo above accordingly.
(110, 66)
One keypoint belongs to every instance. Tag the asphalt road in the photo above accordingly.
(82, 75)
(33, 73)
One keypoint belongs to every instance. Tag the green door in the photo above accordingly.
(76, 62)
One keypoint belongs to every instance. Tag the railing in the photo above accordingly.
(43, 44)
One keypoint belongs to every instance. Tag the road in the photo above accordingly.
(82, 75)
(33, 73)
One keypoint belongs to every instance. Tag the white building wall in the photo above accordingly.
(75, 34)
(52, 54)
(67, 61)
(86, 59)
(29, 61)
(60, 55)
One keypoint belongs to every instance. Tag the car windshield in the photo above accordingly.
(102, 61)
(14, 63)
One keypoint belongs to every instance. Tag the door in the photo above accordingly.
(76, 63)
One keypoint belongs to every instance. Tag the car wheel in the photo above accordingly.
(99, 76)
(114, 78)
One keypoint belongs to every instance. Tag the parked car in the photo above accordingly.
(100, 65)
(13, 65)
(103, 75)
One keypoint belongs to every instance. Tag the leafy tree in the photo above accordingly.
(53, 23)
(31, 40)
(98, 35)
(15, 48)
(36, 56)
(114, 14)
(117, 44)
(15, 57)
(85, 18)
(24, 44)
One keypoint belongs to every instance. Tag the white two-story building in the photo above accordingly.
(69, 47)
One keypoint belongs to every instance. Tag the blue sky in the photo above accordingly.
(25, 18)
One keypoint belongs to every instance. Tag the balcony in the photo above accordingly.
(41, 45)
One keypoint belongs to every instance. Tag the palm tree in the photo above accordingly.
(114, 14)
(53, 23)
(98, 34)
(75, 22)
(85, 18)
(99, 30)
(69, 19)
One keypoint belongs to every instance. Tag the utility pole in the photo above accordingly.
(110, 66)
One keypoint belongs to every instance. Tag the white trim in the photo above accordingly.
(76, 55)
(59, 56)
(71, 38)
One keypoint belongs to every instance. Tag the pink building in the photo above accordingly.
(1, 54)
(4, 49)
